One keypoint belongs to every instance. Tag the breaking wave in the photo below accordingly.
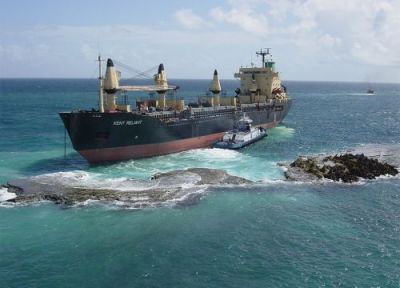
(5, 195)
(234, 162)
(89, 180)
(84, 179)
(181, 188)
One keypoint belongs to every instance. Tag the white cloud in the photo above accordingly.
(189, 20)
(89, 52)
(363, 31)
(15, 52)
(19, 53)
(355, 35)
(72, 50)
(244, 18)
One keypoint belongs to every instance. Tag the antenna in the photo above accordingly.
(101, 98)
(263, 52)
(100, 60)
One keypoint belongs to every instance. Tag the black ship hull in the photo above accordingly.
(107, 137)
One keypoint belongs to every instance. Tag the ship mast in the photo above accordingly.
(101, 98)
(263, 53)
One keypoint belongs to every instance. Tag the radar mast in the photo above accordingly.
(101, 97)
(264, 52)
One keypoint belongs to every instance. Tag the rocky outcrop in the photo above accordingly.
(206, 176)
(345, 167)
(186, 187)
(180, 187)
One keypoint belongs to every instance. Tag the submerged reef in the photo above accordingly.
(179, 187)
(187, 187)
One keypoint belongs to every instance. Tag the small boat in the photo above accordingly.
(370, 91)
(244, 134)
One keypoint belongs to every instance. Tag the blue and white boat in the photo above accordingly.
(241, 136)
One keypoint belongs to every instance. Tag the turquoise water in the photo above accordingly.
(273, 234)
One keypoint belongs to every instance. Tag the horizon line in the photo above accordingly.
(224, 79)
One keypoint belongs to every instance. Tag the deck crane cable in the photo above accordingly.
(142, 75)
(137, 73)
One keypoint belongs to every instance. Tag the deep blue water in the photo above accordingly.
(272, 235)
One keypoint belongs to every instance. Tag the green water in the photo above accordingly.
(272, 234)
(280, 236)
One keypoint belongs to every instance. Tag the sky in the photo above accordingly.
(311, 40)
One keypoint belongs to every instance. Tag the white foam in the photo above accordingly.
(360, 94)
(238, 163)
(282, 131)
(5, 195)
(273, 182)
(212, 153)
(87, 202)
(185, 180)
(88, 180)
(70, 179)
(83, 179)
(185, 194)
(385, 177)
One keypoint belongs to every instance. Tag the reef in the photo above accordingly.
(186, 187)
(346, 168)
(179, 187)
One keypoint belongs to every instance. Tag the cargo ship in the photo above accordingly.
(115, 132)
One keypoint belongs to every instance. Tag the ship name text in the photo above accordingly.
(129, 123)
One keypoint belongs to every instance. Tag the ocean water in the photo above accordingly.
(273, 234)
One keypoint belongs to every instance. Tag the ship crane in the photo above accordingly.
(112, 77)
(109, 87)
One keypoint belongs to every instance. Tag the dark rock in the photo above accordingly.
(346, 167)
(361, 166)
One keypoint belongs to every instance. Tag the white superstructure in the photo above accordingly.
(259, 84)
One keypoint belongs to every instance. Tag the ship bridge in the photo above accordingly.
(259, 84)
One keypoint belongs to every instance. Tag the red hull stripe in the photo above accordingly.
(148, 150)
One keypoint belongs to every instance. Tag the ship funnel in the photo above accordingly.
(111, 79)
(160, 68)
(215, 88)
(110, 63)
(160, 79)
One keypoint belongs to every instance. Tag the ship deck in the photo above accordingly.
(196, 112)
